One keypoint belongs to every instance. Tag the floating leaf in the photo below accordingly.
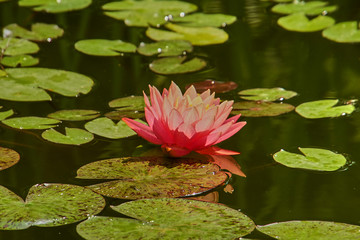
(176, 65)
(6, 114)
(214, 86)
(48, 205)
(196, 35)
(19, 60)
(8, 158)
(73, 136)
(298, 22)
(323, 109)
(31, 122)
(142, 13)
(14, 46)
(152, 177)
(314, 159)
(205, 20)
(266, 94)
(74, 115)
(311, 230)
(128, 103)
(308, 8)
(39, 31)
(344, 32)
(168, 218)
(103, 47)
(3, 73)
(165, 48)
(53, 6)
(261, 109)
(120, 114)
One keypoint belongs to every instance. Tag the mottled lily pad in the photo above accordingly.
(72, 136)
(39, 31)
(168, 218)
(8, 158)
(55, 6)
(266, 94)
(205, 20)
(152, 177)
(143, 13)
(165, 48)
(214, 86)
(19, 60)
(298, 22)
(323, 109)
(14, 46)
(314, 159)
(74, 115)
(311, 230)
(177, 65)
(308, 8)
(103, 47)
(48, 205)
(261, 109)
(344, 32)
(128, 103)
(31, 122)
(5, 114)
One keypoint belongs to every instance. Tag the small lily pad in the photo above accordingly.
(344, 32)
(165, 48)
(168, 218)
(6, 114)
(48, 205)
(31, 122)
(14, 46)
(214, 86)
(120, 114)
(19, 60)
(261, 109)
(39, 31)
(73, 136)
(323, 109)
(8, 158)
(311, 230)
(152, 177)
(298, 22)
(308, 8)
(205, 20)
(103, 47)
(266, 94)
(74, 115)
(314, 159)
(53, 6)
(128, 103)
(177, 65)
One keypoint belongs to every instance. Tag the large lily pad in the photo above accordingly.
(308, 8)
(55, 6)
(72, 136)
(28, 84)
(177, 65)
(74, 114)
(266, 94)
(168, 219)
(14, 46)
(103, 47)
(344, 32)
(261, 109)
(48, 205)
(142, 13)
(165, 48)
(19, 60)
(128, 103)
(205, 20)
(314, 159)
(311, 230)
(39, 31)
(323, 109)
(8, 158)
(298, 22)
(31, 122)
(5, 114)
(152, 177)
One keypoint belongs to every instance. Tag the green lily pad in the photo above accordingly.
(128, 103)
(311, 230)
(39, 31)
(74, 115)
(14, 46)
(205, 20)
(19, 60)
(323, 109)
(308, 8)
(3, 73)
(6, 114)
(266, 94)
(103, 47)
(176, 65)
(120, 114)
(73, 136)
(8, 158)
(55, 6)
(261, 109)
(196, 35)
(344, 32)
(31, 122)
(314, 159)
(143, 13)
(298, 22)
(28, 84)
(165, 48)
(152, 177)
(168, 218)
(48, 205)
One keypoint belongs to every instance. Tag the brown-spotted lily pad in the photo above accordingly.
(8, 158)
(152, 177)
(214, 86)
(261, 109)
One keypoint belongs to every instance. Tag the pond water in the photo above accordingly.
(259, 53)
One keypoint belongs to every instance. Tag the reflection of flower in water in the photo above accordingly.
(184, 123)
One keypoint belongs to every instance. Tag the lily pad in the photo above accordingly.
(74, 115)
(128, 103)
(152, 177)
(8, 158)
(73, 136)
(39, 31)
(323, 109)
(308, 8)
(55, 6)
(165, 48)
(176, 65)
(344, 32)
(168, 219)
(266, 94)
(103, 47)
(120, 114)
(205, 20)
(14, 46)
(19, 60)
(143, 13)
(6, 114)
(214, 86)
(31, 122)
(48, 205)
(261, 109)
(28, 84)
(314, 159)
(196, 35)
(298, 22)
(311, 230)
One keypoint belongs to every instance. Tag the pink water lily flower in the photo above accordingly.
(184, 123)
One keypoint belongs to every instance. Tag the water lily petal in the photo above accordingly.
(175, 119)
(191, 116)
(187, 129)
(175, 151)
(216, 151)
(162, 131)
(231, 131)
(149, 116)
(142, 130)
(191, 92)
(206, 121)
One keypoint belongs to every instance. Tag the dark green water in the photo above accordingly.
(258, 54)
